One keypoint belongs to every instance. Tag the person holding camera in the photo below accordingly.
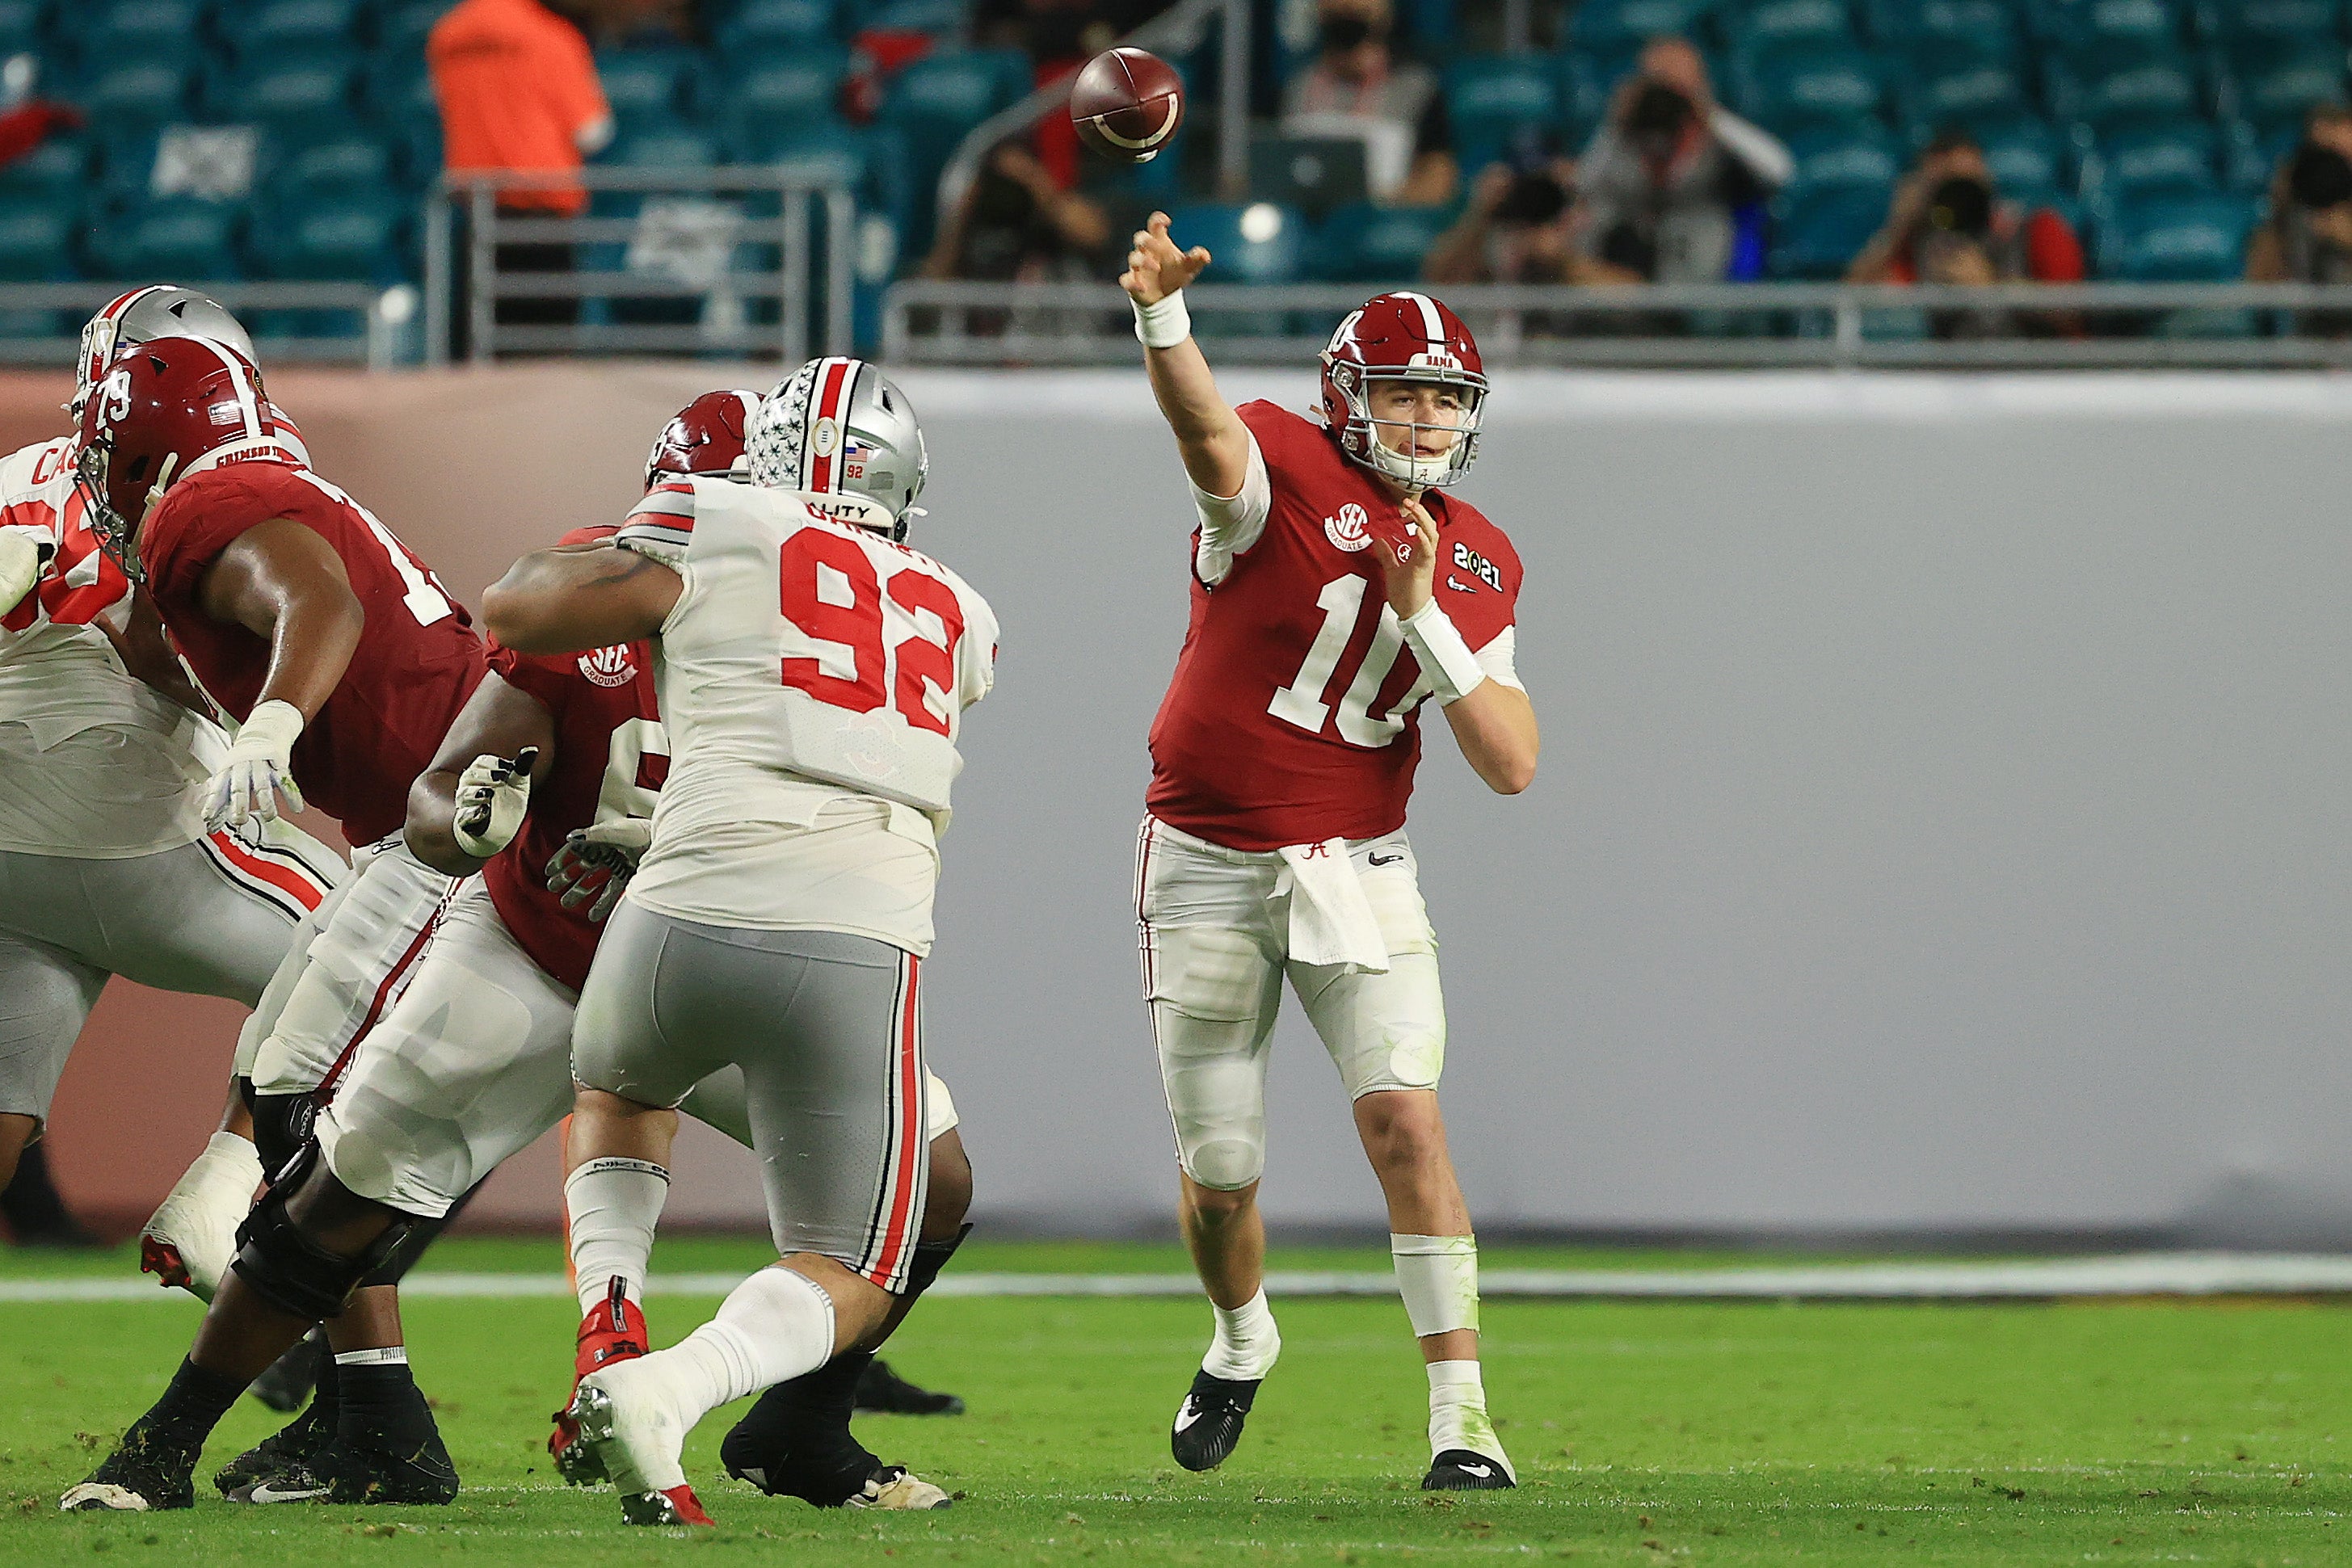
(1675, 185)
(1946, 225)
(2306, 235)
(1521, 226)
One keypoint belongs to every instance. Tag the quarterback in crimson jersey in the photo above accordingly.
(1337, 586)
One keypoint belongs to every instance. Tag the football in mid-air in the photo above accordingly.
(1127, 104)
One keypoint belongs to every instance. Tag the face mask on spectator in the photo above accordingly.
(2320, 177)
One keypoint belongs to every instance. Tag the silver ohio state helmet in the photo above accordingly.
(842, 431)
(143, 315)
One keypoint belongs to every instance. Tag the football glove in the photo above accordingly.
(22, 556)
(493, 793)
(259, 770)
(597, 862)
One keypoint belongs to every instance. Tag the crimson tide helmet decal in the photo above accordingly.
(1409, 337)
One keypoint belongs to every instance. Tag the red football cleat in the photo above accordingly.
(614, 1331)
(673, 1505)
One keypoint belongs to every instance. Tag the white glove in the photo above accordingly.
(259, 770)
(21, 559)
(597, 862)
(493, 793)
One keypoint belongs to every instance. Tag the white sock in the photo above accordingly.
(1457, 1413)
(1246, 1340)
(771, 1328)
(390, 1355)
(614, 1204)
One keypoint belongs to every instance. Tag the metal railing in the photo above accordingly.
(1173, 30)
(381, 316)
(697, 237)
(1835, 325)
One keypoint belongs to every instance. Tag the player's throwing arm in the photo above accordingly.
(1336, 586)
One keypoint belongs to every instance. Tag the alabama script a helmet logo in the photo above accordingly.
(609, 666)
(1350, 530)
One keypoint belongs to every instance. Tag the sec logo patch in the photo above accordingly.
(1350, 530)
(609, 666)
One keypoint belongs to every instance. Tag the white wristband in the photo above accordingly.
(1447, 662)
(1162, 324)
(272, 723)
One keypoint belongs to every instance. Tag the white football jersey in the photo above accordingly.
(93, 762)
(813, 678)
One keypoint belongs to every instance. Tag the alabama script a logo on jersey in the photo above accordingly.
(609, 666)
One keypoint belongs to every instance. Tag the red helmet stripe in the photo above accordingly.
(825, 473)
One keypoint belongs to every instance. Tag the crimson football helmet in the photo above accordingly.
(162, 411)
(705, 439)
(1402, 337)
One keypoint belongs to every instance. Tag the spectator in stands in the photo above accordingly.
(1357, 87)
(518, 91)
(1521, 226)
(2307, 234)
(1017, 224)
(1947, 224)
(1677, 183)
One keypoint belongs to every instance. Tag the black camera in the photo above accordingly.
(1961, 207)
(2319, 177)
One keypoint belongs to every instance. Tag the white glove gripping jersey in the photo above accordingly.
(813, 678)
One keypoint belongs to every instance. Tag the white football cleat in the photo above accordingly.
(191, 1235)
(897, 1488)
(629, 1422)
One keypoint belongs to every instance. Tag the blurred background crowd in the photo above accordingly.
(1598, 142)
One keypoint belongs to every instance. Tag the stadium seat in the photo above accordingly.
(669, 145)
(287, 29)
(1585, 81)
(400, 29)
(2177, 240)
(2307, 21)
(2073, 23)
(1276, 255)
(1953, 83)
(762, 28)
(942, 18)
(1860, 157)
(35, 238)
(1365, 244)
(649, 85)
(1792, 85)
(1820, 234)
(180, 237)
(2177, 159)
(141, 95)
(141, 31)
(1984, 25)
(344, 165)
(1490, 97)
(2027, 158)
(950, 93)
(1620, 24)
(2120, 81)
(20, 27)
(772, 102)
(351, 236)
(1760, 22)
(2273, 81)
(307, 96)
(55, 168)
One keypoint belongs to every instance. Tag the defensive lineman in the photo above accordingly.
(106, 864)
(813, 672)
(1274, 843)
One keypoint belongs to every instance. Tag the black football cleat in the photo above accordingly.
(1459, 1469)
(884, 1393)
(290, 1378)
(135, 1478)
(1209, 1422)
(288, 1449)
(780, 1449)
(352, 1472)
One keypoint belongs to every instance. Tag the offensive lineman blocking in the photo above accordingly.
(1274, 841)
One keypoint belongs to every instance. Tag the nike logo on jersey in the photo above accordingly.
(1376, 859)
(1458, 585)
(1187, 1414)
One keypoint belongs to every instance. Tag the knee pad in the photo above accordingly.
(417, 1235)
(1226, 1165)
(931, 1257)
(290, 1271)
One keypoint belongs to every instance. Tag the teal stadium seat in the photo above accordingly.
(342, 166)
(290, 29)
(130, 32)
(1364, 244)
(1277, 257)
(2121, 81)
(1608, 27)
(401, 29)
(650, 86)
(773, 102)
(1986, 27)
(354, 237)
(1820, 232)
(58, 168)
(673, 144)
(178, 237)
(2276, 80)
(2294, 21)
(763, 27)
(21, 29)
(2177, 240)
(1956, 83)
(1789, 86)
(2073, 23)
(1788, 21)
(1585, 78)
(304, 99)
(2181, 159)
(1846, 158)
(37, 235)
(936, 101)
(1491, 98)
(122, 100)
(2026, 156)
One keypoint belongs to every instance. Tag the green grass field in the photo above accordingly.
(2121, 1432)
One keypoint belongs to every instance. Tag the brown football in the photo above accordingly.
(1127, 104)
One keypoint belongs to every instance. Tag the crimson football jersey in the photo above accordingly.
(1293, 715)
(417, 658)
(611, 757)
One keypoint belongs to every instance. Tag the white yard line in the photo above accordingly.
(2136, 1274)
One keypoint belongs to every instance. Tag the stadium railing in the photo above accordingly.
(1728, 325)
(690, 253)
(383, 316)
